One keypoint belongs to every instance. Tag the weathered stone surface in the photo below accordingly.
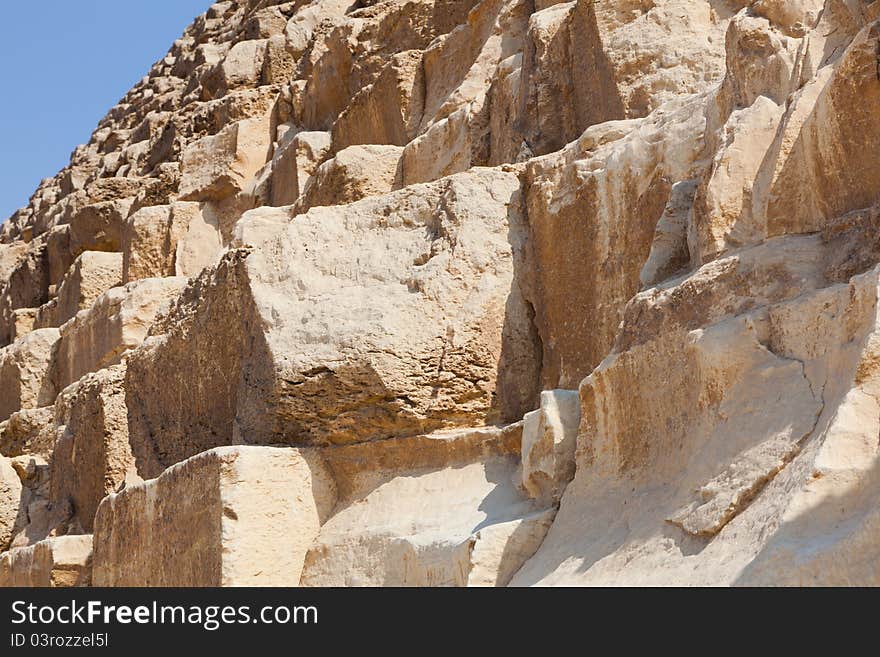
(438, 510)
(179, 239)
(10, 255)
(241, 67)
(237, 516)
(92, 456)
(430, 329)
(218, 166)
(708, 472)
(588, 62)
(91, 274)
(461, 70)
(147, 244)
(548, 444)
(351, 51)
(28, 431)
(361, 229)
(11, 502)
(64, 561)
(355, 173)
(25, 369)
(295, 162)
(389, 110)
(26, 287)
(98, 227)
(593, 208)
(116, 322)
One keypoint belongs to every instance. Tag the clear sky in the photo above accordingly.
(63, 65)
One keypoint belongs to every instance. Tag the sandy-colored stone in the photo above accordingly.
(91, 274)
(389, 110)
(437, 510)
(28, 431)
(92, 456)
(358, 230)
(382, 318)
(179, 239)
(25, 370)
(715, 473)
(593, 209)
(11, 502)
(64, 561)
(25, 287)
(548, 444)
(237, 516)
(116, 322)
(219, 166)
(98, 227)
(242, 67)
(295, 161)
(354, 173)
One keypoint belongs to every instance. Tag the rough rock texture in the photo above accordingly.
(10, 502)
(56, 562)
(395, 315)
(25, 369)
(92, 456)
(478, 532)
(117, 321)
(237, 516)
(458, 292)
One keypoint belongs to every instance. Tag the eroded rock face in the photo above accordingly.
(233, 513)
(391, 316)
(57, 562)
(478, 533)
(458, 292)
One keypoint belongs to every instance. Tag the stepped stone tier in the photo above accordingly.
(458, 292)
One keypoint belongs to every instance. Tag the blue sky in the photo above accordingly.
(63, 65)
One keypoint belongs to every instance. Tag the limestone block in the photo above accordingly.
(295, 162)
(241, 67)
(548, 444)
(98, 227)
(265, 23)
(437, 510)
(196, 232)
(12, 502)
(218, 166)
(355, 173)
(334, 73)
(593, 208)
(10, 255)
(443, 150)
(731, 431)
(25, 369)
(817, 167)
(146, 248)
(569, 82)
(237, 516)
(24, 320)
(279, 63)
(388, 111)
(62, 561)
(27, 286)
(91, 274)
(116, 322)
(92, 455)
(795, 17)
(462, 71)
(394, 315)
(179, 239)
(670, 253)
(28, 431)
